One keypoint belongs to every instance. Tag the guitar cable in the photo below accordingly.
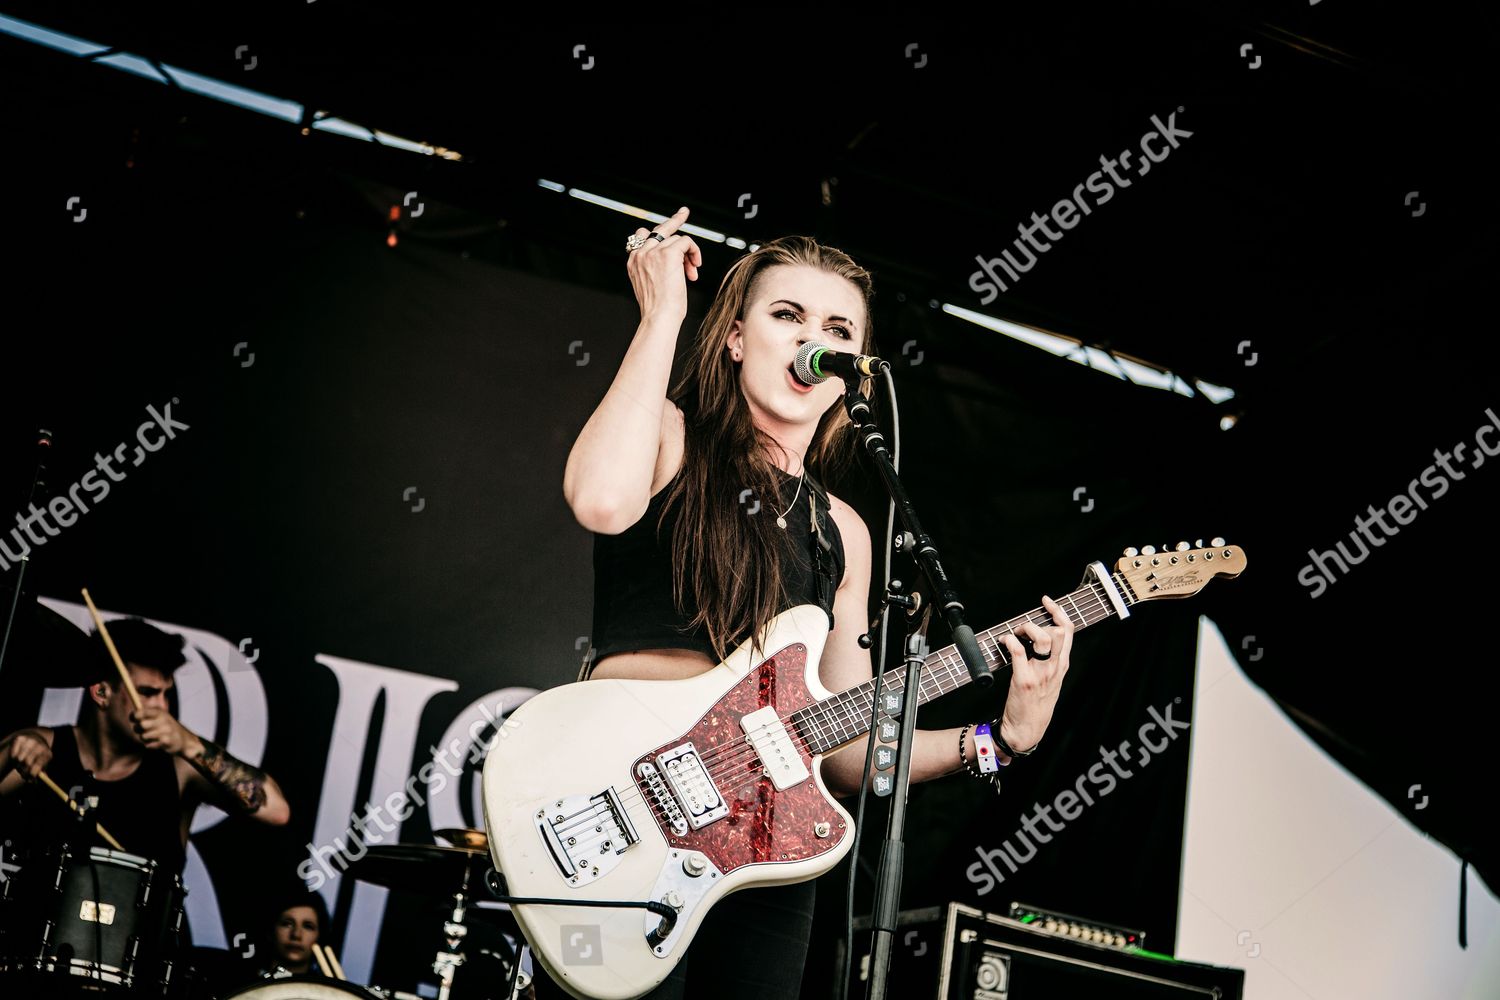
(885, 614)
(494, 881)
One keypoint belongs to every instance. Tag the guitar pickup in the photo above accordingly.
(778, 754)
(692, 786)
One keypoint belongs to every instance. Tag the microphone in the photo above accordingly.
(815, 364)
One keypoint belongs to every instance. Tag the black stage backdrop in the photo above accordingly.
(363, 517)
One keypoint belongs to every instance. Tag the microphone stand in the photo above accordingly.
(887, 903)
(44, 444)
(924, 553)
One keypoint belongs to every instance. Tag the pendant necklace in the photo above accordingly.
(781, 518)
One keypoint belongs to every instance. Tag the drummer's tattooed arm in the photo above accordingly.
(239, 781)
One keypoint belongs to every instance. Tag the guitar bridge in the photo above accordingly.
(586, 834)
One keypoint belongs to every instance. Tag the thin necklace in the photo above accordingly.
(781, 518)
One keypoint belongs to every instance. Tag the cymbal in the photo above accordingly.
(473, 840)
(424, 868)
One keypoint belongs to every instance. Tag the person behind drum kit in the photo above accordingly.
(148, 771)
(297, 922)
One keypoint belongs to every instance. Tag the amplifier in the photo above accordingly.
(1067, 925)
(960, 953)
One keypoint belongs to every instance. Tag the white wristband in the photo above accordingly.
(984, 749)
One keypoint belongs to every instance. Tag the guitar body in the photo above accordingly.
(659, 790)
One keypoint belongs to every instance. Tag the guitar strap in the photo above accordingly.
(822, 547)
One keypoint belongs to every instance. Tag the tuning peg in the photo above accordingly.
(1216, 541)
(1198, 543)
(1183, 546)
(1149, 550)
(1132, 551)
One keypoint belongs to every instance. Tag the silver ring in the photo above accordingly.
(635, 242)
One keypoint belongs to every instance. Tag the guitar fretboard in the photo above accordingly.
(835, 721)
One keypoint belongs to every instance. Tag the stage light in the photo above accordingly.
(624, 208)
(1121, 366)
(215, 89)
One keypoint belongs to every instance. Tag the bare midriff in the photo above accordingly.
(652, 665)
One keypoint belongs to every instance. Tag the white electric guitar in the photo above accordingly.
(684, 791)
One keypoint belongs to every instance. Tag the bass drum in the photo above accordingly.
(308, 988)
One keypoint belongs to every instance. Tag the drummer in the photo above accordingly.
(148, 771)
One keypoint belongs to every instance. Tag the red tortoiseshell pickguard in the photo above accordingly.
(763, 825)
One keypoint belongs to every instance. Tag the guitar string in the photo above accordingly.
(720, 767)
(721, 774)
(842, 701)
(742, 752)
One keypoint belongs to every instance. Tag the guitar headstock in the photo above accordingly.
(1180, 571)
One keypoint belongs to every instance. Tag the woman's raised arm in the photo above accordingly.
(610, 470)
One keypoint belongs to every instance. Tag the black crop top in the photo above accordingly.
(633, 606)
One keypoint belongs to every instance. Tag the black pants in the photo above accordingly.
(751, 946)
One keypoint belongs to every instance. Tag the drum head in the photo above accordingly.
(310, 988)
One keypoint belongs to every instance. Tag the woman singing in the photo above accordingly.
(709, 520)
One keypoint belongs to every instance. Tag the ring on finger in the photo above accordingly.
(1037, 654)
(636, 241)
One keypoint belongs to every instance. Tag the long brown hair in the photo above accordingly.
(728, 565)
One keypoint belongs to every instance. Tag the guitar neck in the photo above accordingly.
(829, 724)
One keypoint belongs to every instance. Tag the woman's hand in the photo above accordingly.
(1035, 683)
(660, 269)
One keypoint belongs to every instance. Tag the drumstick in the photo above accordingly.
(46, 779)
(333, 960)
(317, 951)
(114, 653)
